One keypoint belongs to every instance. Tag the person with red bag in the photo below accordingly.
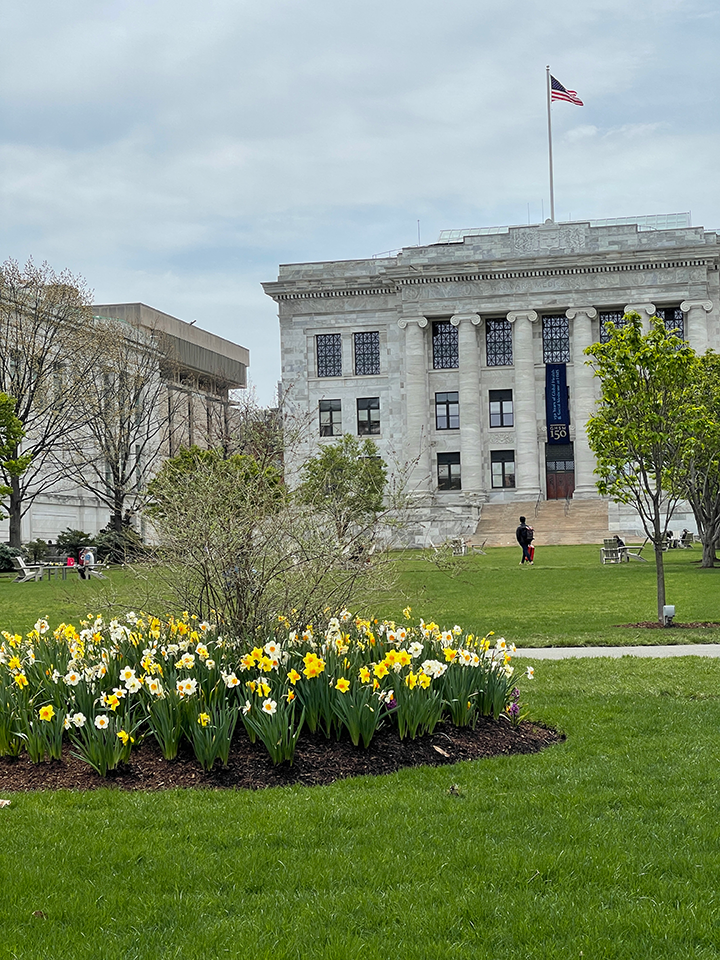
(525, 536)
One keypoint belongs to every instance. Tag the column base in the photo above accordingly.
(586, 491)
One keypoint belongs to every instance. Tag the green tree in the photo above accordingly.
(699, 479)
(346, 482)
(12, 463)
(641, 425)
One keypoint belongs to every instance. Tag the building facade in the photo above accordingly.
(195, 371)
(464, 359)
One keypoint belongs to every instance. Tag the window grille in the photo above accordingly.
(445, 345)
(556, 339)
(367, 353)
(447, 411)
(448, 468)
(502, 464)
(368, 416)
(501, 408)
(498, 343)
(330, 418)
(329, 355)
(610, 316)
(674, 320)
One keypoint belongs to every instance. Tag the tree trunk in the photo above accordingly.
(116, 518)
(15, 512)
(660, 568)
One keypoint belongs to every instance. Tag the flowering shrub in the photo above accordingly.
(110, 684)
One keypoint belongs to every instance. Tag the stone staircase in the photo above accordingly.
(555, 522)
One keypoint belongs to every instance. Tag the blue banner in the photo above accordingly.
(556, 403)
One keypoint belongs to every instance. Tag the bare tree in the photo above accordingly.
(129, 416)
(47, 355)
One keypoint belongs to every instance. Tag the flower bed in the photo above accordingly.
(110, 684)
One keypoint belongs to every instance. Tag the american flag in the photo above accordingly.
(558, 92)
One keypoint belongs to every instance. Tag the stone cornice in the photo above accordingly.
(394, 281)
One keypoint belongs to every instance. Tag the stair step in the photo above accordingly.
(556, 522)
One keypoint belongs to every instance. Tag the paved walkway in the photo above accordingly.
(676, 650)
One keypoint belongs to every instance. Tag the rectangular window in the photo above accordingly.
(498, 343)
(329, 355)
(447, 411)
(330, 418)
(502, 463)
(368, 416)
(367, 354)
(445, 345)
(674, 320)
(556, 339)
(501, 408)
(610, 316)
(448, 468)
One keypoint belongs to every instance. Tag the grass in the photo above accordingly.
(604, 846)
(567, 598)
(68, 600)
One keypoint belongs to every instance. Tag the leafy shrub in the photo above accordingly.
(73, 541)
(6, 557)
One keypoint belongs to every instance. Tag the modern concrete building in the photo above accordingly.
(464, 359)
(197, 370)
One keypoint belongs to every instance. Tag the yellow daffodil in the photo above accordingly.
(47, 713)
(343, 685)
(204, 719)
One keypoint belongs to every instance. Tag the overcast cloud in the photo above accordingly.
(175, 152)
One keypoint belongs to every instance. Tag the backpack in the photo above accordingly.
(530, 535)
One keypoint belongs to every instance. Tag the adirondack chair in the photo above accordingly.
(611, 554)
(27, 571)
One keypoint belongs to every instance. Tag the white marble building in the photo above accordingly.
(464, 358)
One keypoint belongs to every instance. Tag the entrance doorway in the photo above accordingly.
(559, 470)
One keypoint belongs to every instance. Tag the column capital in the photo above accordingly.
(530, 315)
(687, 305)
(572, 312)
(648, 308)
(422, 322)
(459, 317)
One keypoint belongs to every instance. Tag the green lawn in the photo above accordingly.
(68, 600)
(567, 598)
(604, 846)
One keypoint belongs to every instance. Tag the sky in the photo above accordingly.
(176, 152)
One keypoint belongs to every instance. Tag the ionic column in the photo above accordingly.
(471, 453)
(416, 405)
(696, 331)
(646, 310)
(583, 400)
(527, 471)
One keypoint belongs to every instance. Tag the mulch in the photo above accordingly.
(317, 760)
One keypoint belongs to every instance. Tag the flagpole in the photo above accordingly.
(550, 156)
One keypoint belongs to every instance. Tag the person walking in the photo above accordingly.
(525, 536)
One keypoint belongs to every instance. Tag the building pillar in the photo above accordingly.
(583, 400)
(696, 331)
(415, 447)
(471, 448)
(527, 471)
(646, 310)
